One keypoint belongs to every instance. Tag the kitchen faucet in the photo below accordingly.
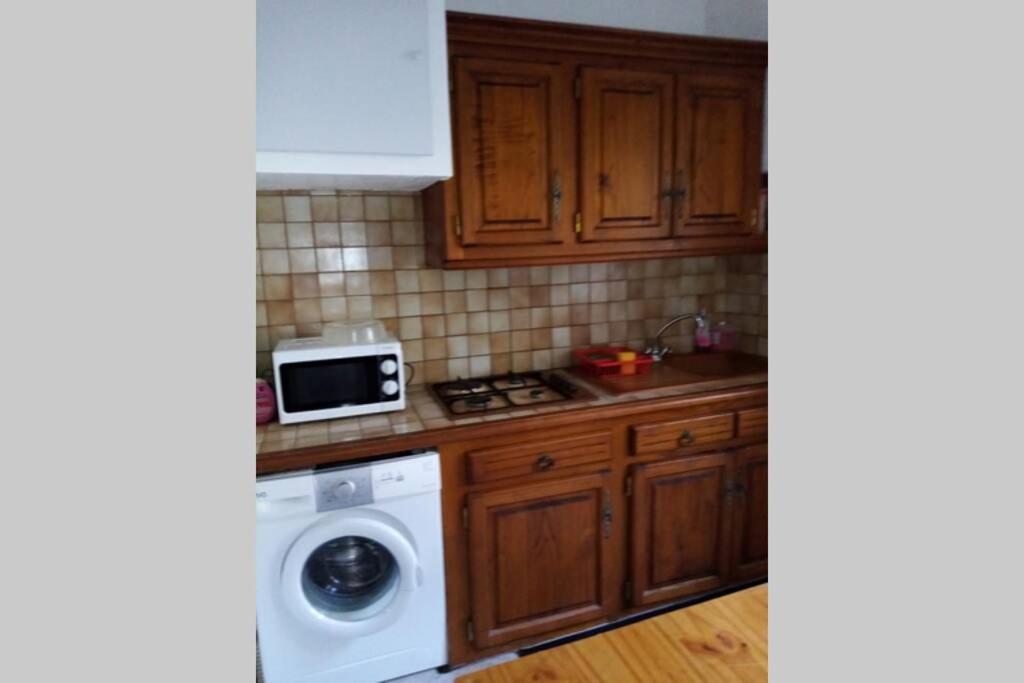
(657, 351)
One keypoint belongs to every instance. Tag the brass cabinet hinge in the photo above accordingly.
(469, 630)
(458, 226)
(629, 486)
(578, 87)
(579, 223)
(627, 590)
(753, 218)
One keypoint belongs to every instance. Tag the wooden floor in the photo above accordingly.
(725, 639)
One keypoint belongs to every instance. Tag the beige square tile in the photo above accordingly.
(379, 258)
(561, 357)
(522, 361)
(269, 209)
(333, 308)
(300, 235)
(476, 279)
(599, 333)
(540, 317)
(410, 328)
(598, 292)
(617, 270)
(519, 318)
(559, 295)
(579, 335)
(541, 360)
(433, 326)
(432, 303)
(617, 290)
(384, 306)
(296, 209)
(402, 207)
(501, 363)
(499, 321)
(479, 366)
(579, 293)
(518, 297)
(455, 323)
(560, 315)
(307, 311)
(652, 268)
(520, 340)
(306, 286)
(412, 349)
(326, 235)
(324, 208)
(270, 236)
(519, 277)
(435, 371)
(454, 280)
(353, 234)
(409, 304)
(435, 348)
(540, 296)
(356, 284)
(616, 311)
(275, 261)
(302, 260)
(408, 257)
(579, 272)
(431, 280)
(280, 312)
(455, 302)
(479, 344)
(479, 322)
(634, 290)
(540, 338)
(350, 208)
(540, 275)
(617, 332)
(328, 259)
(382, 282)
(671, 267)
(476, 300)
(355, 258)
(598, 272)
(407, 281)
(262, 339)
(501, 342)
(259, 287)
(560, 336)
(377, 207)
(559, 275)
(277, 287)
(458, 367)
(360, 308)
(579, 314)
(261, 314)
(497, 277)
(281, 332)
(634, 270)
(406, 233)
(458, 346)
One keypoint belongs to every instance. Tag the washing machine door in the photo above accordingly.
(351, 573)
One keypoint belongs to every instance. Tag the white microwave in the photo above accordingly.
(324, 378)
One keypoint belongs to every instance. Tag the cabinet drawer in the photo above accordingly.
(657, 437)
(504, 462)
(752, 422)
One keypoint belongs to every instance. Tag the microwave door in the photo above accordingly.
(332, 383)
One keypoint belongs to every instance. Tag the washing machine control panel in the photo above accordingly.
(343, 488)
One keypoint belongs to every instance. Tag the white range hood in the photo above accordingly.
(351, 94)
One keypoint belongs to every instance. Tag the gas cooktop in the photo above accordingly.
(505, 392)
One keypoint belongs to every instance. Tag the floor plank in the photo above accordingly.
(725, 639)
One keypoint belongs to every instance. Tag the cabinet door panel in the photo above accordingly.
(718, 155)
(514, 152)
(539, 558)
(626, 134)
(750, 550)
(680, 527)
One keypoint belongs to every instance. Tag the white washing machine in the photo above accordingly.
(350, 572)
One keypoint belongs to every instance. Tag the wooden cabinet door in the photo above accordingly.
(539, 558)
(626, 154)
(718, 155)
(750, 515)
(515, 151)
(680, 527)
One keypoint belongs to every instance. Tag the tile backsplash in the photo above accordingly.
(335, 256)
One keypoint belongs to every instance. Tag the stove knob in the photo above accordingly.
(390, 387)
(345, 489)
(389, 367)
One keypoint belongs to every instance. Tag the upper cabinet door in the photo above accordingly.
(626, 166)
(514, 152)
(718, 155)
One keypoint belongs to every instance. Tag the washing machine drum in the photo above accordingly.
(349, 574)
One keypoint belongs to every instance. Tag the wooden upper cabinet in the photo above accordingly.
(539, 558)
(750, 516)
(718, 155)
(680, 527)
(514, 151)
(626, 154)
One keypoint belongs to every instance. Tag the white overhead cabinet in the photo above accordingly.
(351, 94)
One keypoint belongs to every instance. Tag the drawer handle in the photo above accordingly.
(545, 462)
(686, 438)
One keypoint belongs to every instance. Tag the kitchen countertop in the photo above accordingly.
(424, 423)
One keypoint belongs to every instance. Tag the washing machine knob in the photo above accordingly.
(388, 367)
(345, 489)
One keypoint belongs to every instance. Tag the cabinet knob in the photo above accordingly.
(686, 438)
(545, 462)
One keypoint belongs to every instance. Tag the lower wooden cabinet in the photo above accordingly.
(750, 513)
(680, 527)
(539, 558)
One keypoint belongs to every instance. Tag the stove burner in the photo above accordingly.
(477, 401)
(515, 380)
(536, 393)
(466, 385)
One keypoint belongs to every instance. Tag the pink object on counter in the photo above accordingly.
(723, 337)
(266, 404)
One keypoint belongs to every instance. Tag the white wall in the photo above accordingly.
(723, 18)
